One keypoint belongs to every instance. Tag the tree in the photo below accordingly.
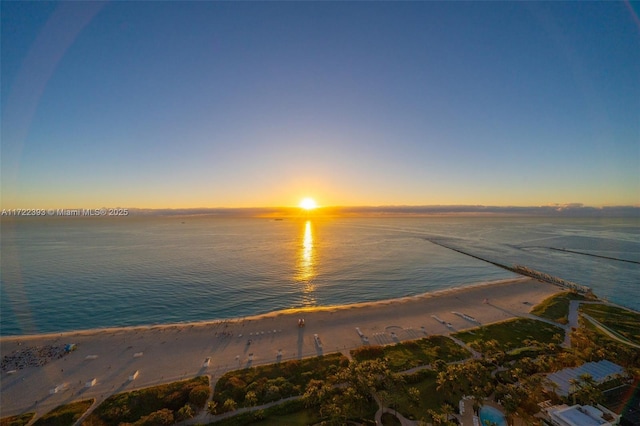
(447, 411)
(199, 396)
(316, 393)
(510, 397)
(414, 395)
(440, 365)
(212, 408)
(184, 413)
(162, 417)
(447, 382)
(334, 410)
(587, 392)
(259, 415)
(251, 398)
(438, 419)
(229, 405)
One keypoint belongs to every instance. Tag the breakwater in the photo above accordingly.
(524, 270)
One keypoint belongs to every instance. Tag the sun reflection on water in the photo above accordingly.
(306, 266)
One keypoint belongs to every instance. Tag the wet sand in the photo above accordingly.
(167, 353)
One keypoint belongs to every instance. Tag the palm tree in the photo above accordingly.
(251, 398)
(229, 405)
(436, 418)
(573, 389)
(447, 410)
(184, 413)
(414, 395)
(588, 392)
(447, 383)
(212, 408)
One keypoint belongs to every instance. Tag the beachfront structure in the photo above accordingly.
(600, 372)
(581, 415)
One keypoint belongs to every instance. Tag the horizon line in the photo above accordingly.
(571, 210)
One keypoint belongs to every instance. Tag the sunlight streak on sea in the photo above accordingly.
(60, 275)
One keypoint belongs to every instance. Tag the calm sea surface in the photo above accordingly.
(66, 274)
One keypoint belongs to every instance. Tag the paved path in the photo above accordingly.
(612, 334)
(381, 410)
(205, 418)
(574, 313)
(475, 353)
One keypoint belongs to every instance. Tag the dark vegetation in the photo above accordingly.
(20, 420)
(288, 413)
(263, 384)
(159, 405)
(622, 321)
(590, 344)
(65, 415)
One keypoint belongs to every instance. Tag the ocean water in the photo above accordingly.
(60, 274)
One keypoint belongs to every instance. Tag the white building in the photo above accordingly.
(581, 415)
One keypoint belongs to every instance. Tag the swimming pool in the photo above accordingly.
(493, 415)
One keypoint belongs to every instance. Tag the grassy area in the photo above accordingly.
(20, 420)
(513, 334)
(622, 321)
(556, 308)
(406, 355)
(65, 415)
(162, 404)
(263, 384)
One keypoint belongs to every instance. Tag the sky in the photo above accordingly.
(252, 104)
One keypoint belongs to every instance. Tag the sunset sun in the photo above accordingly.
(308, 204)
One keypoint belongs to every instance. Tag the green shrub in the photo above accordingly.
(147, 405)
(19, 420)
(275, 381)
(65, 415)
(163, 417)
(199, 396)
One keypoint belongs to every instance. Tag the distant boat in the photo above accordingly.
(278, 219)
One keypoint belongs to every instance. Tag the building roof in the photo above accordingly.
(580, 416)
(600, 371)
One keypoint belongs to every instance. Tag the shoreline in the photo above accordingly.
(288, 311)
(106, 358)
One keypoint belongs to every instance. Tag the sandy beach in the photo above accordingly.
(167, 353)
